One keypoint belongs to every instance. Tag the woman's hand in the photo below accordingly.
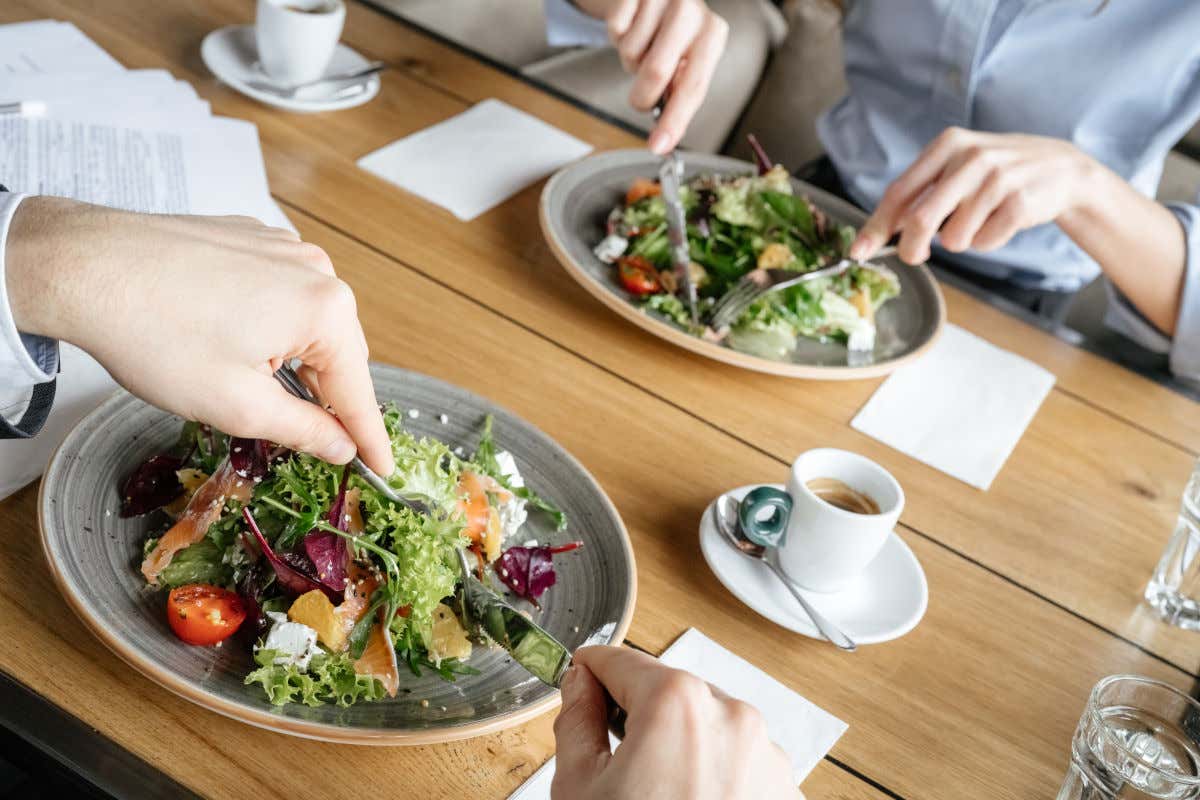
(665, 43)
(683, 737)
(976, 191)
(193, 314)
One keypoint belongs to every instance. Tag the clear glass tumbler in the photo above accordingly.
(1174, 588)
(1138, 739)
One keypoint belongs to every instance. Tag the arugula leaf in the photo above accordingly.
(485, 459)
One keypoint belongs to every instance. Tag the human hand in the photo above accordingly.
(683, 737)
(979, 189)
(194, 314)
(665, 43)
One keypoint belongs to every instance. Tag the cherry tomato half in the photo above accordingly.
(642, 187)
(203, 614)
(637, 275)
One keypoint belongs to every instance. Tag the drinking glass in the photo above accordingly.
(1138, 739)
(1174, 588)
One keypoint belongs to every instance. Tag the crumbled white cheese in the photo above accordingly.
(512, 512)
(458, 451)
(296, 643)
(508, 468)
(862, 338)
(611, 248)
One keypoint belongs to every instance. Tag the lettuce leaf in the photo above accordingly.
(202, 562)
(330, 678)
(425, 468)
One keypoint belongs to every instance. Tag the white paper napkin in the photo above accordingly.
(961, 408)
(82, 385)
(804, 731)
(477, 159)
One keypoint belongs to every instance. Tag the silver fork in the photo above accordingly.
(760, 282)
(295, 386)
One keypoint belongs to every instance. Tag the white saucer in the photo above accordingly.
(232, 55)
(884, 603)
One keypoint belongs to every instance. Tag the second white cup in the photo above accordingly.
(297, 38)
(822, 546)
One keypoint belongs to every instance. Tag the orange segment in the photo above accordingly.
(192, 480)
(473, 505)
(314, 610)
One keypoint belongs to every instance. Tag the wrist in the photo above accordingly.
(1090, 200)
(42, 259)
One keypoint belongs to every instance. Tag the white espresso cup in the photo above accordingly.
(824, 547)
(297, 38)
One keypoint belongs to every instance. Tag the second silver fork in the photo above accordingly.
(759, 282)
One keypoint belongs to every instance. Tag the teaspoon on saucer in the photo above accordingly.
(730, 529)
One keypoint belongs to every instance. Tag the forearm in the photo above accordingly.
(1139, 243)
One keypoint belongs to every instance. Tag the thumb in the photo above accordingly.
(581, 734)
(290, 421)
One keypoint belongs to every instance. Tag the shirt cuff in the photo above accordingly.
(567, 26)
(1182, 350)
(25, 359)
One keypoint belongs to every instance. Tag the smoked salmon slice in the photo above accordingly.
(202, 510)
(379, 660)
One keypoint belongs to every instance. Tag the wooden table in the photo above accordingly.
(1035, 585)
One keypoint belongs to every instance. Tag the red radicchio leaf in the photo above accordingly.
(327, 550)
(760, 155)
(529, 571)
(289, 573)
(250, 589)
(152, 485)
(251, 458)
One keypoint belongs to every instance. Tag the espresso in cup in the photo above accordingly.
(842, 495)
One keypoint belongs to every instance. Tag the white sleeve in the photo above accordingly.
(1183, 350)
(25, 360)
(567, 26)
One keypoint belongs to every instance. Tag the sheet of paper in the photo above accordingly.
(51, 46)
(209, 167)
(477, 159)
(961, 408)
(135, 98)
(804, 731)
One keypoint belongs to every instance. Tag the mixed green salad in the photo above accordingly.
(736, 224)
(330, 586)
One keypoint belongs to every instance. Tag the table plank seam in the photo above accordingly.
(714, 426)
(1014, 582)
(1183, 448)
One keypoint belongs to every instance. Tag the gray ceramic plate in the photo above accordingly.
(575, 204)
(94, 554)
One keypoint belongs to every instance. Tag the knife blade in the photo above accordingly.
(529, 644)
(670, 177)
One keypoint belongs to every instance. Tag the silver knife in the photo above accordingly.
(529, 644)
(670, 178)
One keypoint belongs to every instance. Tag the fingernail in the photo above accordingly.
(339, 451)
(570, 686)
(659, 142)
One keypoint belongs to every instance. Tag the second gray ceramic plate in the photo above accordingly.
(94, 555)
(575, 204)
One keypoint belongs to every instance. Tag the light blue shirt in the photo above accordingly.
(1121, 80)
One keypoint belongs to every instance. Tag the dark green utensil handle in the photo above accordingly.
(771, 531)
